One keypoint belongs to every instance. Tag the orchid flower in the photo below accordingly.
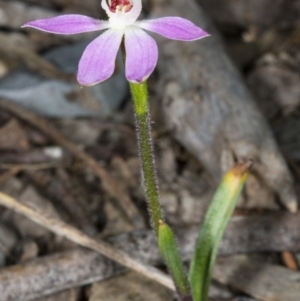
(98, 60)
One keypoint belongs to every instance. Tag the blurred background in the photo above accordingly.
(214, 102)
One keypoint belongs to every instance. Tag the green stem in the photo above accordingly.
(166, 239)
(141, 107)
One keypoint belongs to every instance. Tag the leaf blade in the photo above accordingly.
(215, 223)
(169, 249)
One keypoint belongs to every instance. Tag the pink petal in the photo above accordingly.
(175, 28)
(141, 54)
(68, 24)
(98, 60)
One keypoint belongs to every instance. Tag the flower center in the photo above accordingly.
(120, 5)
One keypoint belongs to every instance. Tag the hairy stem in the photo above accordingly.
(166, 239)
(143, 126)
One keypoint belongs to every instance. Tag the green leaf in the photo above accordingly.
(168, 247)
(215, 223)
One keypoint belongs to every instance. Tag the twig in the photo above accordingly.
(112, 186)
(58, 188)
(289, 260)
(270, 233)
(32, 156)
(38, 166)
(55, 274)
(10, 173)
(61, 228)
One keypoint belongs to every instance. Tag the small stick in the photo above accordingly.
(111, 185)
(63, 229)
(274, 232)
(58, 188)
(34, 166)
(289, 260)
(10, 173)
